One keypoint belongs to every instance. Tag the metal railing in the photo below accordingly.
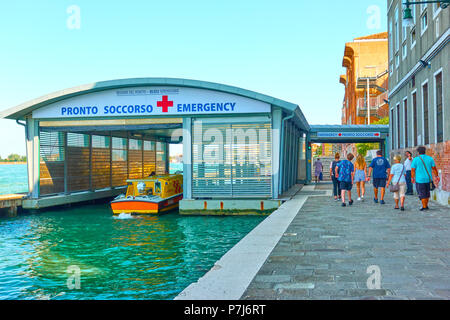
(374, 102)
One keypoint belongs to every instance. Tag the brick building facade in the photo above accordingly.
(419, 93)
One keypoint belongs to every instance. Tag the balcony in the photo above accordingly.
(376, 104)
(378, 82)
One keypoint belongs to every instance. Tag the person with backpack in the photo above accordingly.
(336, 186)
(398, 178)
(345, 172)
(380, 167)
(318, 170)
(422, 168)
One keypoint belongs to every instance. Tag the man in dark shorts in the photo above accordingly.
(345, 172)
(381, 168)
(422, 169)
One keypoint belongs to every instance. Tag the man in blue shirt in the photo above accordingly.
(345, 172)
(381, 168)
(422, 169)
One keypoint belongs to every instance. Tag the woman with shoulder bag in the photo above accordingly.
(422, 168)
(398, 178)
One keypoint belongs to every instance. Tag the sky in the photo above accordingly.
(291, 50)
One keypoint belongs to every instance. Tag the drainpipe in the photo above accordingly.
(23, 125)
(280, 174)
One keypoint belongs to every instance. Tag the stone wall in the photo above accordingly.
(441, 155)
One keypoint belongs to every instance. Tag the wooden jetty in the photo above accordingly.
(10, 203)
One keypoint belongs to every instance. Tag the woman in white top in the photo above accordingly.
(398, 175)
(407, 163)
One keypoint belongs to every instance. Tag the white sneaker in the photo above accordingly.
(359, 199)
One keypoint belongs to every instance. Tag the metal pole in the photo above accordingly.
(368, 101)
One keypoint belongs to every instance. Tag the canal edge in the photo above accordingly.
(232, 274)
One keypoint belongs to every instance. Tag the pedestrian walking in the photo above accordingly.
(380, 167)
(336, 186)
(360, 176)
(345, 172)
(422, 168)
(397, 177)
(318, 170)
(407, 163)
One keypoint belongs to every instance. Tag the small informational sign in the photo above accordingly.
(148, 101)
(349, 134)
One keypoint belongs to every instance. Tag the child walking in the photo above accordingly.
(345, 176)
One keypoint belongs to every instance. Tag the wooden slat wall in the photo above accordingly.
(149, 162)
(105, 172)
(160, 160)
(119, 173)
(160, 167)
(101, 168)
(78, 170)
(51, 177)
(135, 169)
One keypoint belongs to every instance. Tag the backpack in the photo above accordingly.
(333, 167)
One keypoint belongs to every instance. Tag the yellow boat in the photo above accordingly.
(152, 195)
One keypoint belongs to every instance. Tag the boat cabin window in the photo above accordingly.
(157, 187)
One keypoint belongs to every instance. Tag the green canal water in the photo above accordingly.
(146, 257)
(13, 178)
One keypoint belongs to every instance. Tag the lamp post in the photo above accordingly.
(407, 15)
(368, 91)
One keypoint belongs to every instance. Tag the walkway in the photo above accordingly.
(327, 249)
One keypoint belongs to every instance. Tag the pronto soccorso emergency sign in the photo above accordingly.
(349, 134)
(147, 101)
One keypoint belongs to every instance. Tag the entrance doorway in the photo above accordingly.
(325, 154)
(329, 139)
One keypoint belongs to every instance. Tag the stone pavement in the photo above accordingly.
(327, 250)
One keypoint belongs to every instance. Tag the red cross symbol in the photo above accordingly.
(377, 134)
(165, 104)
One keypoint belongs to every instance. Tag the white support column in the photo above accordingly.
(276, 143)
(294, 175)
(33, 156)
(187, 158)
(167, 155)
(287, 157)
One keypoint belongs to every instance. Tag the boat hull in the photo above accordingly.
(141, 206)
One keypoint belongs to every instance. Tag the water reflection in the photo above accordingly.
(148, 257)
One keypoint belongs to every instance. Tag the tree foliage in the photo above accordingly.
(382, 121)
(362, 148)
(13, 157)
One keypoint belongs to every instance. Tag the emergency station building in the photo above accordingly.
(241, 150)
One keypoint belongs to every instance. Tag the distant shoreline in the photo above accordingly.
(1, 162)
